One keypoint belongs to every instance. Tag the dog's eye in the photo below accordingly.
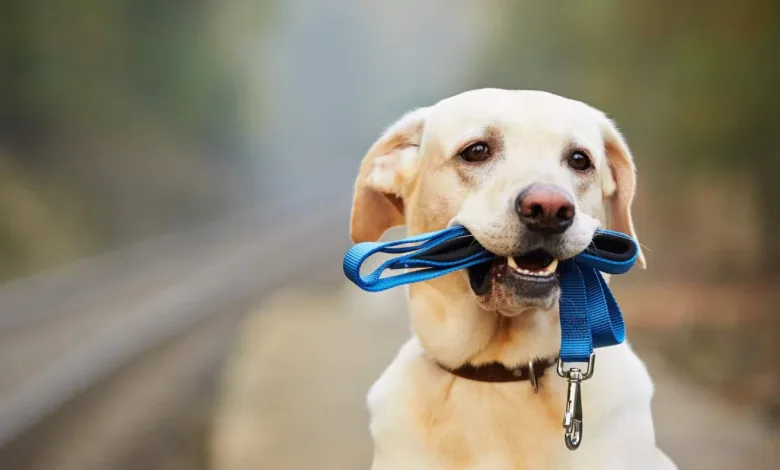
(579, 161)
(475, 153)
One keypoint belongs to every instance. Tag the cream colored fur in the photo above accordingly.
(424, 418)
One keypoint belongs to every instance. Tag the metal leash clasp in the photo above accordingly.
(572, 417)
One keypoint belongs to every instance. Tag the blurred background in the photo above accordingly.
(175, 182)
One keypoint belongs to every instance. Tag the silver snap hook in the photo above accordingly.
(572, 416)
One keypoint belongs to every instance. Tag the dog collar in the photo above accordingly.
(589, 314)
(497, 372)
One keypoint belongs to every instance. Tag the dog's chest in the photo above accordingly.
(499, 426)
(466, 425)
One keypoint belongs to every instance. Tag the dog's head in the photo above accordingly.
(531, 175)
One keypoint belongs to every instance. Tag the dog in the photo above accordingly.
(531, 175)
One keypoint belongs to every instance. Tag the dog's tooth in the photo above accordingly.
(511, 262)
(551, 268)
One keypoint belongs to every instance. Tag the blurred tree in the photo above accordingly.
(129, 110)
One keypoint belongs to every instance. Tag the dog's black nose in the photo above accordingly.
(545, 209)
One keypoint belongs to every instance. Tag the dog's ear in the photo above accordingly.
(619, 185)
(387, 170)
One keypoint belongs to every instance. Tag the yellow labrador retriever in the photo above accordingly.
(531, 175)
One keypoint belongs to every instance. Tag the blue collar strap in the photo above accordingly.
(589, 315)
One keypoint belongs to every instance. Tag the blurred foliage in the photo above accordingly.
(692, 85)
(119, 119)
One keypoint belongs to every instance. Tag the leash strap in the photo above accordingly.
(589, 314)
(438, 262)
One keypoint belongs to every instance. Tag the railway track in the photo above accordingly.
(64, 333)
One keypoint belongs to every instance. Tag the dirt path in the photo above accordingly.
(294, 392)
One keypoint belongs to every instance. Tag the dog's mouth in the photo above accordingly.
(530, 275)
(537, 263)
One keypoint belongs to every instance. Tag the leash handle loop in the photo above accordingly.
(410, 248)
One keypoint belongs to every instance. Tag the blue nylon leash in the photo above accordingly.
(589, 314)
(414, 246)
